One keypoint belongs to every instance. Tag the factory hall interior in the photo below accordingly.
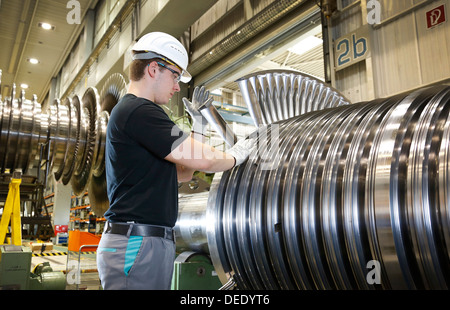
(225, 145)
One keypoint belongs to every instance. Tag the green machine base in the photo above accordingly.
(194, 271)
(15, 265)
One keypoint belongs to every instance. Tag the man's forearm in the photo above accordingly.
(193, 154)
(218, 163)
(198, 136)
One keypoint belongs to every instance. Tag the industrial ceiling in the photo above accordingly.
(23, 39)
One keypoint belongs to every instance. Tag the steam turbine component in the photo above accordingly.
(350, 197)
(337, 195)
(71, 134)
(274, 95)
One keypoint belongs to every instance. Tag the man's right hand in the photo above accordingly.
(242, 150)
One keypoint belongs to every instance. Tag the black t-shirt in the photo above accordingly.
(142, 186)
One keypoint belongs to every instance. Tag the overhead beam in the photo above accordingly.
(20, 41)
(177, 16)
(73, 38)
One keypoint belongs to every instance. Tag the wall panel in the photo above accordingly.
(434, 47)
(396, 57)
(404, 53)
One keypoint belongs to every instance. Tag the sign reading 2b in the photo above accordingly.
(351, 48)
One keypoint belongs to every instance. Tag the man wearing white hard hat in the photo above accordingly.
(146, 155)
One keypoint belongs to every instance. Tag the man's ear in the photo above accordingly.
(152, 68)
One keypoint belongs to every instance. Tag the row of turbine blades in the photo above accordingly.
(70, 135)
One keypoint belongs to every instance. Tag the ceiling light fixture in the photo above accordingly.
(34, 61)
(46, 26)
(24, 86)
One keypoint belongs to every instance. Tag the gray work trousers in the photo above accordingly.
(135, 262)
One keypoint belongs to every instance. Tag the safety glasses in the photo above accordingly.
(177, 74)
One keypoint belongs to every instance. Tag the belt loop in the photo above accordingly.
(106, 228)
(130, 228)
(169, 233)
(166, 233)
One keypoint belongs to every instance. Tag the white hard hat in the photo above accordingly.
(164, 46)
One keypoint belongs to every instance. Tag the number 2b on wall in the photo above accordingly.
(351, 48)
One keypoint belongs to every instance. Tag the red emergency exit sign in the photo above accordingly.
(436, 16)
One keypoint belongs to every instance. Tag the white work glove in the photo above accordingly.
(242, 150)
(199, 98)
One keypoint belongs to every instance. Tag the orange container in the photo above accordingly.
(79, 238)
